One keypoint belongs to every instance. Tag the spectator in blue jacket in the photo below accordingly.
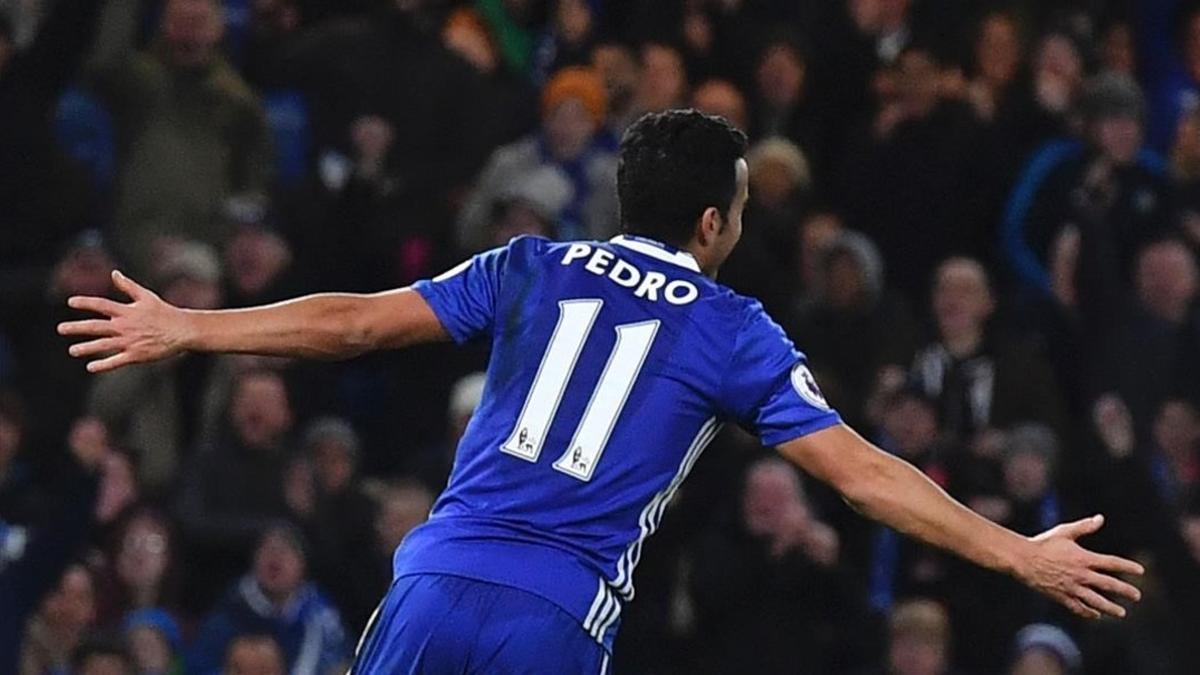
(1045, 204)
(275, 598)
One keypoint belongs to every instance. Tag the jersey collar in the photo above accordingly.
(657, 250)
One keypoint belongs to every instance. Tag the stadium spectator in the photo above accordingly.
(780, 185)
(144, 567)
(568, 145)
(97, 656)
(782, 105)
(1058, 74)
(402, 505)
(49, 382)
(259, 263)
(909, 182)
(919, 640)
(370, 66)
(234, 483)
(62, 624)
(978, 378)
(19, 490)
(254, 655)
(1147, 518)
(721, 98)
(621, 72)
(1175, 455)
(33, 558)
(766, 585)
(853, 326)
(1110, 178)
(512, 99)
(189, 131)
(898, 567)
(275, 598)
(325, 498)
(815, 233)
(531, 210)
(997, 63)
(1044, 649)
(155, 642)
(569, 36)
(1159, 319)
(664, 79)
(161, 410)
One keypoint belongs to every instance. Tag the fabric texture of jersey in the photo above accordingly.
(619, 361)
(430, 624)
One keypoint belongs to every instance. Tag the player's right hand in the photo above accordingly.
(1083, 581)
(144, 330)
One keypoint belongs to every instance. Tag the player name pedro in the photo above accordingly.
(647, 284)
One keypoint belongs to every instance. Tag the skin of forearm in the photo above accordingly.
(898, 495)
(321, 326)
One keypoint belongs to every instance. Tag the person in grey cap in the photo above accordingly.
(1043, 649)
(1107, 178)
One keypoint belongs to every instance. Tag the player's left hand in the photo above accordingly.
(1079, 579)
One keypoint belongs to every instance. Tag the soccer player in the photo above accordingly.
(613, 364)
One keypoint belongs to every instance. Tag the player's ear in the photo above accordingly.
(710, 225)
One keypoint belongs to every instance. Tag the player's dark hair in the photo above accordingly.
(673, 166)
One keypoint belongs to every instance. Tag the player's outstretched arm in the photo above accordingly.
(895, 493)
(326, 325)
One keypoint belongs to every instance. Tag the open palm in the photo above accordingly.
(143, 330)
(1079, 579)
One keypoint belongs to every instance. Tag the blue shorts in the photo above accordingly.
(430, 624)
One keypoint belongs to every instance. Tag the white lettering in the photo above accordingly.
(575, 252)
(689, 292)
(650, 286)
(599, 261)
(633, 276)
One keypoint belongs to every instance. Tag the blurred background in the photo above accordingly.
(980, 220)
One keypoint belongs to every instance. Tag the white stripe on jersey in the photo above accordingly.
(605, 610)
(651, 515)
(603, 626)
(597, 602)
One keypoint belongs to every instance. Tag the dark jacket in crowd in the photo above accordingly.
(914, 195)
(759, 614)
(1004, 383)
(1045, 199)
(32, 560)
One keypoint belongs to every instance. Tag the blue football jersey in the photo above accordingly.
(613, 364)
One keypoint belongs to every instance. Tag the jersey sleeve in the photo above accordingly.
(464, 297)
(769, 388)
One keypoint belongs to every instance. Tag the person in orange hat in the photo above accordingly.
(570, 145)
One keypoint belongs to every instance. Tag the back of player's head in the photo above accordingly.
(673, 166)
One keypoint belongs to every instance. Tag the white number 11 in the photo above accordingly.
(575, 319)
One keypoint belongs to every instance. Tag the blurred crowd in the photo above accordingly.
(980, 221)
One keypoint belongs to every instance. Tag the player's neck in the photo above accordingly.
(705, 258)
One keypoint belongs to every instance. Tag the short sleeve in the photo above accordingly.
(769, 388)
(464, 297)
